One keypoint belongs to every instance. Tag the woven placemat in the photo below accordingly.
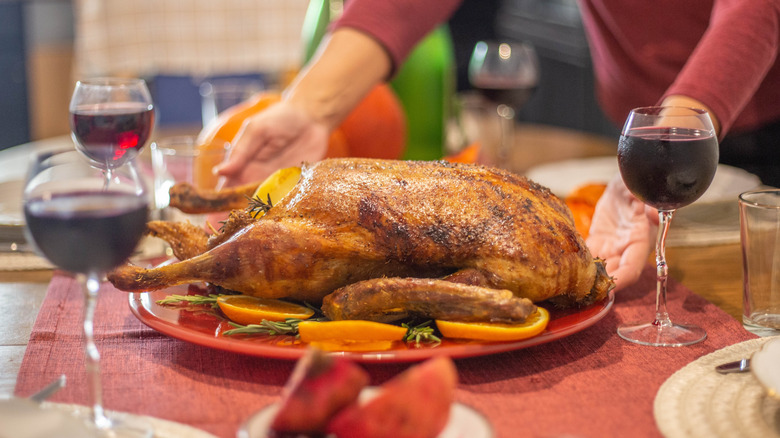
(23, 261)
(696, 401)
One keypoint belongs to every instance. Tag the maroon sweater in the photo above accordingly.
(720, 52)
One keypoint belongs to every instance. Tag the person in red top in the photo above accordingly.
(719, 55)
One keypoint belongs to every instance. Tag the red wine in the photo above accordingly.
(84, 231)
(667, 168)
(513, 97)
(114, 133)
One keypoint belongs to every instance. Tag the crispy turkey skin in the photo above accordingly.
(350, 220)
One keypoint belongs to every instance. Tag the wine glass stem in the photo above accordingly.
(91, 286)
(662, 270)
(107, 180)
(507, 119)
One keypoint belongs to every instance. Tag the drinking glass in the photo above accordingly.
(667, 158)
(87, 225)
(111, 120)
(506, 74)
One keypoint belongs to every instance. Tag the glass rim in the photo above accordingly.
(743, 198)
(652, 110)
(173, 146)
(111, 81)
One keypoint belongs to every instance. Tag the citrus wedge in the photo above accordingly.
(278, 184)
(245, 309)
(356, 346)
(349, 330)
(486, 331)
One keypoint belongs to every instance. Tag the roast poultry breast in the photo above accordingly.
(367, 232)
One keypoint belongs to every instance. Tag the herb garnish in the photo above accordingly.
(415, 334)
(194, 300)
(258, 207)
(272, 328)
(420, 333)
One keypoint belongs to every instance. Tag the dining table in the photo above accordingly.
(588, 383)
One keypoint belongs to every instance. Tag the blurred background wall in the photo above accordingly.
(36, 49)
(44, 44)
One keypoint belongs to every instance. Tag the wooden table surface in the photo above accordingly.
(713, 272)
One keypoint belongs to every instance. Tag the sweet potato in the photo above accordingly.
(319, 386)
(414, 404)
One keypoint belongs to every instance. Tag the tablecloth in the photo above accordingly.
(590, 384)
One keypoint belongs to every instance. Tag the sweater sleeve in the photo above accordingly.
(398, 25)
(732, 58)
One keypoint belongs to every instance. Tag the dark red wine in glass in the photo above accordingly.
(114, 133)
(512, 97)
(87, 224)
(110, 223)
(506, 74)
(111, 120)
(667, 168)
(667, 158)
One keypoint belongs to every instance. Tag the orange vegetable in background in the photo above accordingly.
(222, 129)
(582, 203)
(376, 128)
(469, 154)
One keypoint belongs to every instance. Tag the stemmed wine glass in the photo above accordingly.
(506, 74)
(667, 158)
(86, 225)
(111, 120)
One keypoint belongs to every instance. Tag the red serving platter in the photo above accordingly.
(203, 326)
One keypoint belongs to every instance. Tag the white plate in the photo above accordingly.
(562, 177)
(11, 203)
(21, 418)
(11, 216)
(765, 365)
(464, 422)
(698, 402)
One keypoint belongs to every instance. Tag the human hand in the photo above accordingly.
(622, 233)
(282, 135)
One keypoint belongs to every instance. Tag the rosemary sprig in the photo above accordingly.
(189, 299)
(258, 207)
(272, 328)
(420, 333)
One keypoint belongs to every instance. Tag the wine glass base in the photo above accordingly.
(662, 335)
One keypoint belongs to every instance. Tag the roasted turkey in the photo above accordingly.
(370, 230)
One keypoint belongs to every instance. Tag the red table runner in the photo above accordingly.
(591, 384)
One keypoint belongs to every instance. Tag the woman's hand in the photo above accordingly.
(622, 233)
(282, 135)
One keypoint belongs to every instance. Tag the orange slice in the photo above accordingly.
(357, 346)
(245, 309)
(486, 331)
(349, 330)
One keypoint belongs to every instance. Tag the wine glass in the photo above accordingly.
(111, 120)
(86, 225)
(506, 74)
(667, 158)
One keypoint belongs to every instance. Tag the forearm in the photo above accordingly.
(348, 66)
(732, 58)
(398, 25)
